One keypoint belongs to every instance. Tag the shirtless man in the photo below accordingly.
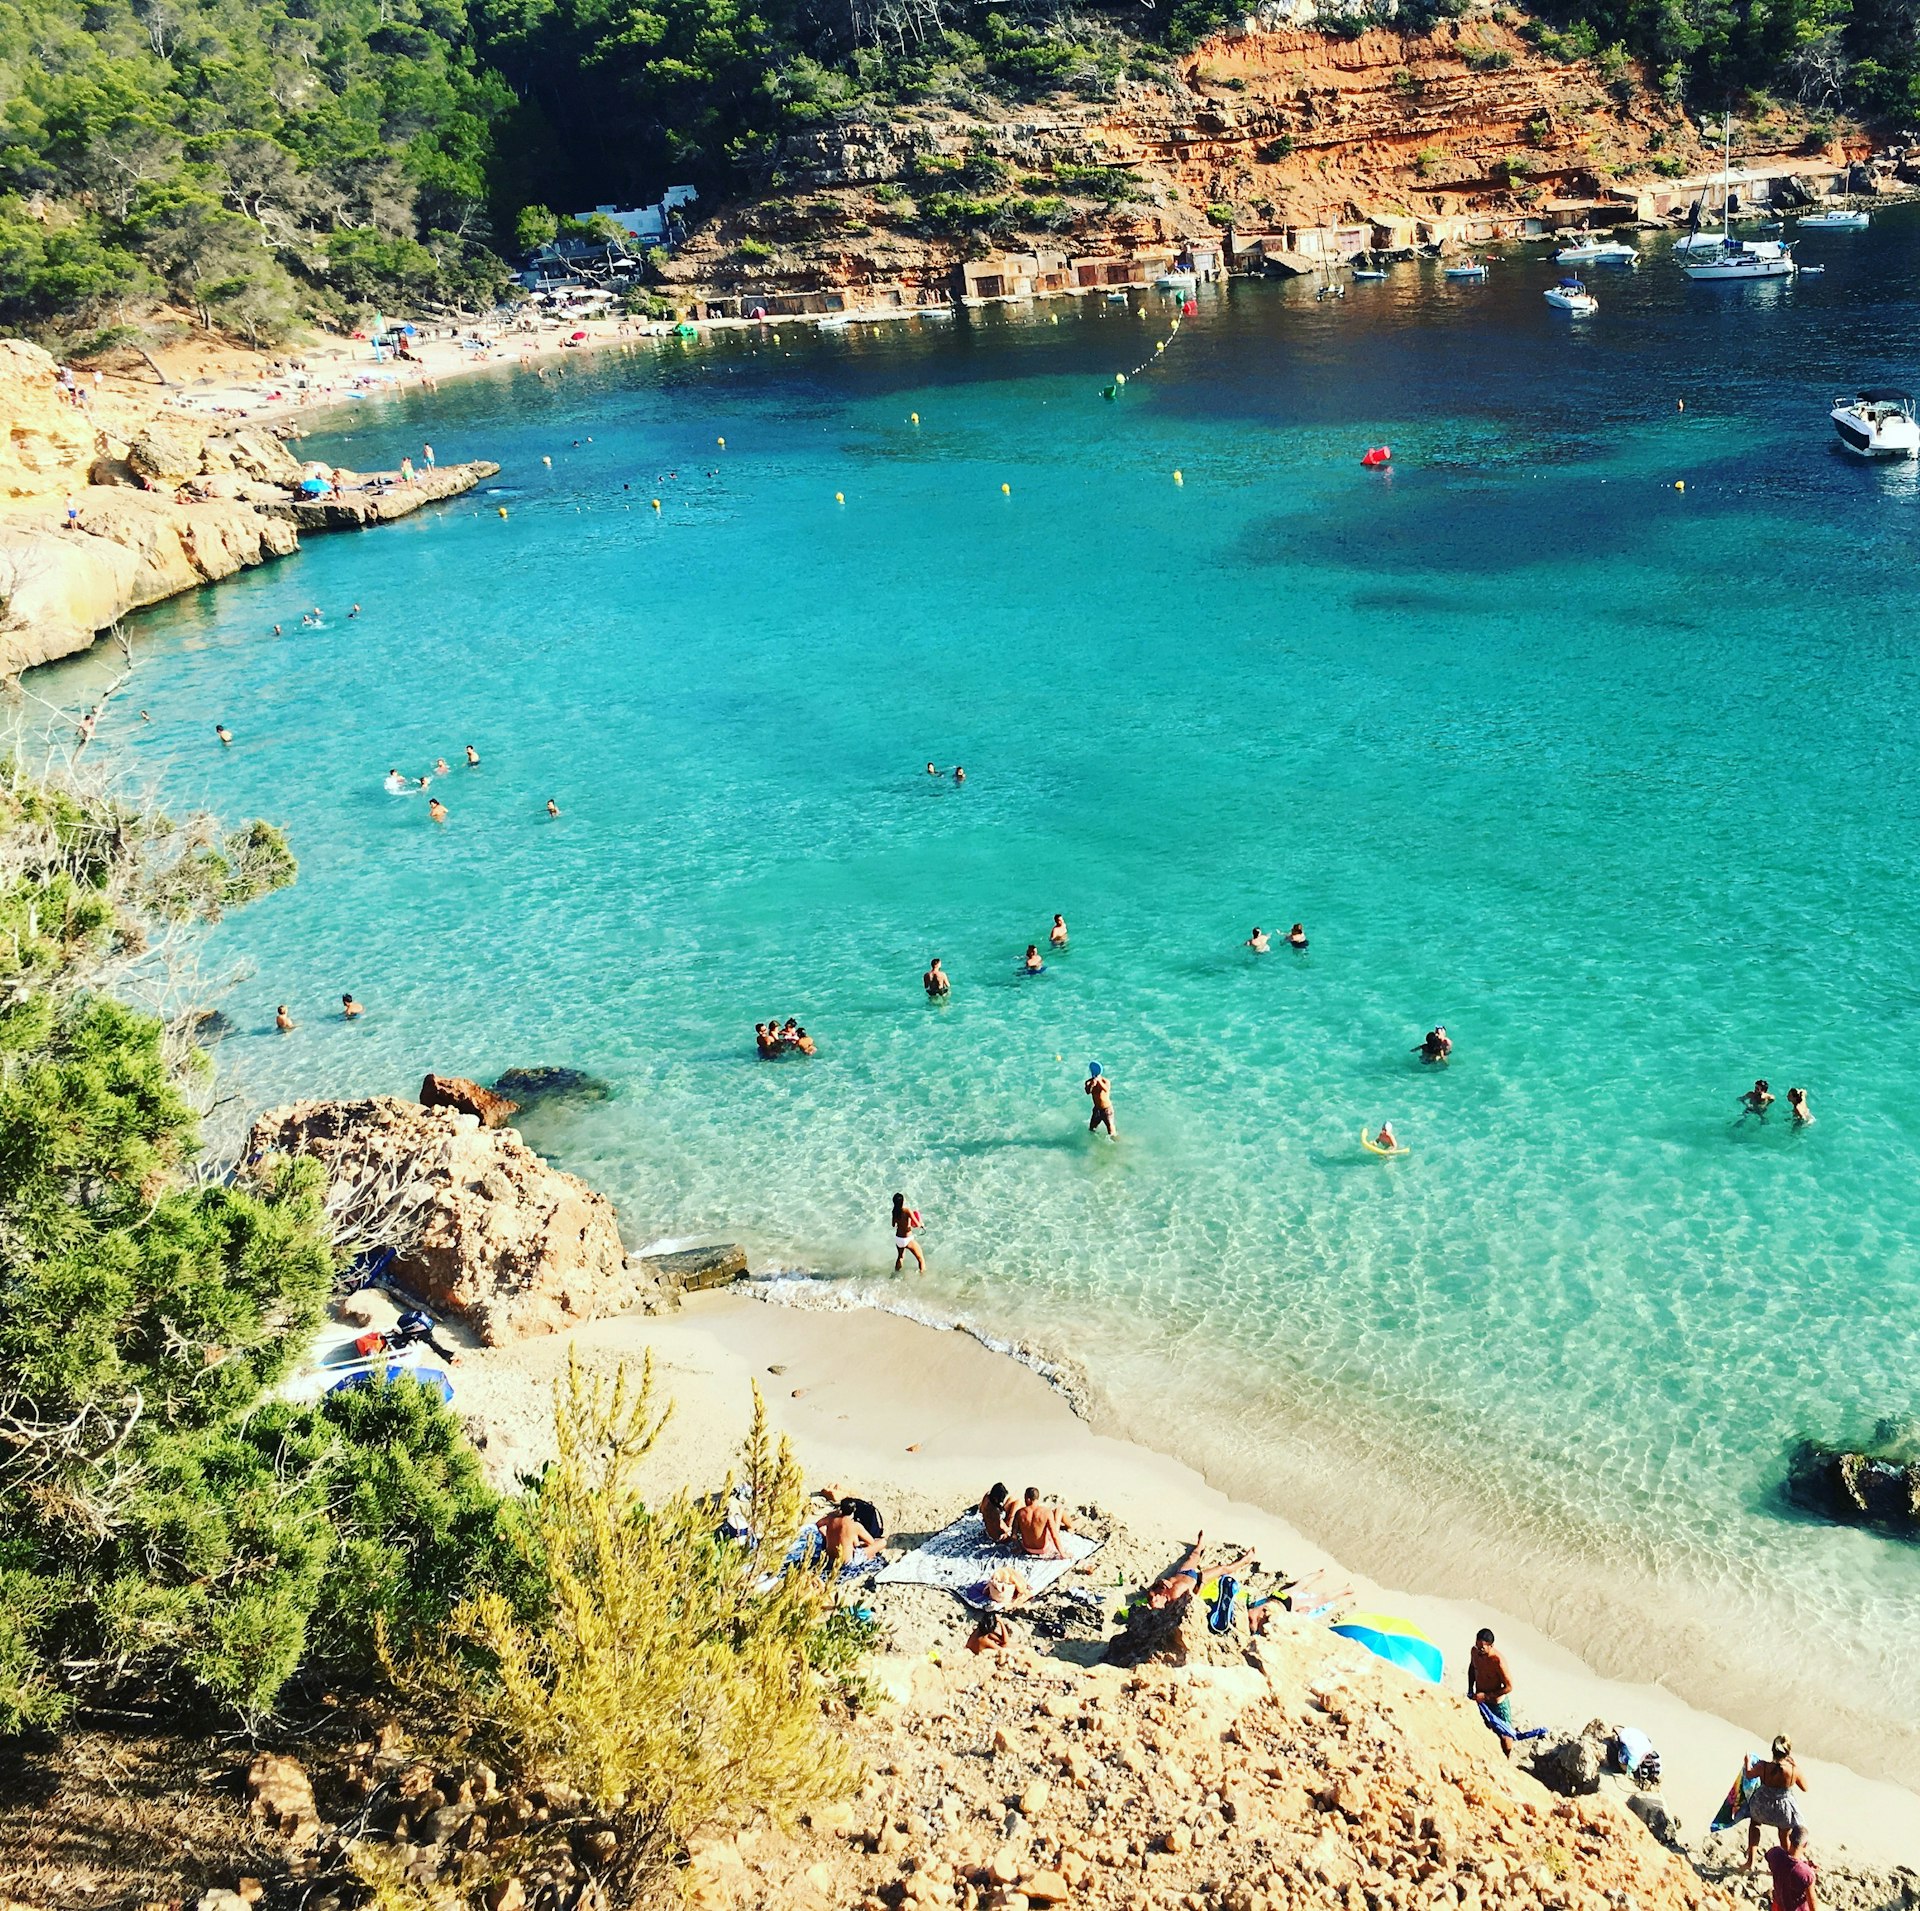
(804, 1042)
(473, 757)
(223, 733)
(1258, 942)
(1057, 935)
(1033, 963)
(935, 980)
(1435, 1046)
(1188, 1577)
(282, 1020)
(1758, 1099)
(1101, 1090)
(349, 1008)
(1489, 1681)
(553, 808)
(848, 1542)
(1038, 1526)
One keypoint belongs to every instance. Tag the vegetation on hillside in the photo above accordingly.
(257, 160)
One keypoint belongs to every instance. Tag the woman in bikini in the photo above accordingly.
(905, 1220)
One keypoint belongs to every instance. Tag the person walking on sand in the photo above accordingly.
(935, 980)
(1793, 1873)
(905, 1221)
(1100, 1090)
(1489, 1681)
(1038, 1527)
(1771, 1802)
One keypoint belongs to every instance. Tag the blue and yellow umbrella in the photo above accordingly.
(1397, 1641)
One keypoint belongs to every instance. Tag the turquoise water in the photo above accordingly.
(1616, 781)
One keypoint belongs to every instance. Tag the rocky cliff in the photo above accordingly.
(106, 508)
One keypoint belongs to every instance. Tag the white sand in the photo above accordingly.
(903, 1412)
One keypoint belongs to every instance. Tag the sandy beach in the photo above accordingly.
(922, 1421)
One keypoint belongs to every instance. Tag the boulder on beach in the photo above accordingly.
(1572, 1766)
(480, 1226)
(491, 1110)
(168, 448)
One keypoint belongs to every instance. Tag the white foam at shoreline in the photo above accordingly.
(793, 1287)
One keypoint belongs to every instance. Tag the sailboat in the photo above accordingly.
(1734, 258)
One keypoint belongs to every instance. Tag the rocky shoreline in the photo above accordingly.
(106, 509)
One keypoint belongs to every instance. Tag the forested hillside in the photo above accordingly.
(254, 160)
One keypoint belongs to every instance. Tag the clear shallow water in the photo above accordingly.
(1617, 782)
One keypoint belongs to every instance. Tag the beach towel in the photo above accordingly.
(1739, 1796)
(1495, 1723)
(960, 1559)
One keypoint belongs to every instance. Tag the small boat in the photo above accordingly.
(1368, 272)
(1878, 423)
(1467, 269)
(1177, 281)
(1571, 296)
(1598, 252)
(1839, 220)
(1811, 271)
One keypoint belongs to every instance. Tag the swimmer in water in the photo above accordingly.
(959, 775)
(1797, 1101)
(1387, 1139)
(553, 808)
(804, 1042)
(1258, 941)
(1435, 1046)
(1034, 964)
(436, 809)
(276, 630)
(144, 718)
(1296, 937)
(283, 1021)
(440, 766)
(1100, 1090)
(394, 783)
(223, 733)
(473, 757)
(931, 771)
(354, 612)
(1057, 935)
(349, 1008)
(935, 980)
(1758, 1099)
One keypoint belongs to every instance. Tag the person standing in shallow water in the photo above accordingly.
(935, 980)
(905, 1221)
(1057, 935)
(1100, 1089)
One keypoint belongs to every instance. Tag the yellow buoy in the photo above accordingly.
(503, 510)
(721, 442)
(1679, 484)
(656, 503)
(913, 417)
(548, 462)
(1179, 478)
(1119, 378)
(839, 497)
(1006, 490)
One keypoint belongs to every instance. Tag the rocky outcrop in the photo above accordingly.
(1572, 1766)
(482, 1228)
(175, 503)
(491, 1110)
(1856, 1488)
(692, 1270)
(530, 1085)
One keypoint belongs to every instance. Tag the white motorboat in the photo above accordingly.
(1177, 282)
(1840, 219)
(1598, 252)
(1571, 296)
(1368, 272)
(1467, 269)
(1878, 423)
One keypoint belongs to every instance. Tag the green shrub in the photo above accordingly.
(1487, 59)
(1221, 215)
(751, 248)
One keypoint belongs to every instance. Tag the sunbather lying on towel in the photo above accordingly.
(1038, 1527)
(1188, 1577)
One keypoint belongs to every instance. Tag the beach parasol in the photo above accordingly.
(1395, 1640)
(579, 335)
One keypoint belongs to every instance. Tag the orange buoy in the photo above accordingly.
(1377, 455)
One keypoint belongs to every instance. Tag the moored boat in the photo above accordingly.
(1467, 269)
(1598, 252)
(1571, 296)
(1878, 423)
(1841, 219)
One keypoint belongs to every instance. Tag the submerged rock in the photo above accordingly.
(1856, 1488)
(530, 1085)
(695, 1268)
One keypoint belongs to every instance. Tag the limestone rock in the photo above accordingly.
(697, 1268)
(168, 448)
(280, 1796)
(507, 1243)
(1571, 1766)
(469, 1098)
(47, 443)
(1656, 1817)
(259, 455)
(1857, 1488)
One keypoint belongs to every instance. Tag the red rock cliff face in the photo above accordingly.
(1269, 128)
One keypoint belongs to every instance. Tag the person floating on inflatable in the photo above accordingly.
(1384, 1143)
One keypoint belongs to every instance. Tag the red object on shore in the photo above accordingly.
(1377, 455)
